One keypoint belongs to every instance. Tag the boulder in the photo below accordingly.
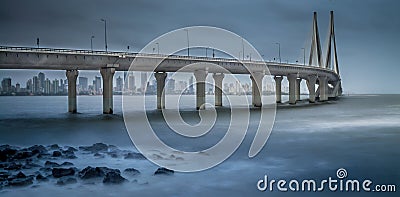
(60, 172)
(113, 178)
(40, 177)
(51, 164)
(57, 153)
(97, 172)
(66, 180)
(131, 171)
(134, 155)
(163, 171)
(7, 153)
(98, 147)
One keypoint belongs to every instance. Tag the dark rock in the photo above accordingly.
(20, 175)
(45, 169)
(113, 178)
(134, 156)
(7, 153)
(54, 147)
(30, 165)
(40, 177)
(97, 172)
(51, 164)
(69, 153)
(98, 147)
(163, 171)
(69, 148)
(131, 171)
(37, 149)
(66, 180)
(13, 166)
(56, 153)
(21, 181)
(23, 155)
(60, 172)
(67, 164)
(98, 155)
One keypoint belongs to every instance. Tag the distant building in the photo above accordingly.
(131, 83)
(18, 87)
(143, 80)
(36, 85)
(120, 84)
(29, 86)
(97, 85)
(41, 84)
(83, 84)
(6, 85)
(171, 86)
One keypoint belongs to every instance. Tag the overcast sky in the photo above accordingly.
(367, 31)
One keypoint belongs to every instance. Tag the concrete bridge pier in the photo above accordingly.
(323, 88)
(278, 88)
(298, 82)
(71, 76)
(107, 74)
(160, 77)
(311, 81)
(292, 78)
(256, 80)
(200, 76)
(218, 88)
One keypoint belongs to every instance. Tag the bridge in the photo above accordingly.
(323, 73)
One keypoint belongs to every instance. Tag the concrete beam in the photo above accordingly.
(160, 77)
(298, 82)
(200, 76)
(292, 88)
(218, 88)
(278, 88)
(323, 88)
(71, 76)
(107, 74)
(311, 81)
(256, 79)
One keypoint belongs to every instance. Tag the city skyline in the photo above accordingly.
(366, 36)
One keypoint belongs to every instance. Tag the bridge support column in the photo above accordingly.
(256, 80)
(107, 74)
(292, 88)
(311, 80)
(71, 76)
(323, 88)
(200, 76)
(298, 82)
(278, 88)
(160, 77)
(218, 88)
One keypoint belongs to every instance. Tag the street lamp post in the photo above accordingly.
(279, 51)
(37, 42)
(304, 56)
(91, 43)
(105, 32)
(187, 36)
(158, 48)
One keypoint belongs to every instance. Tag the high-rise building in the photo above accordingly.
(83, 83)
(35, 85)
(120, 84)
(171, 85)
(41, 78)
(56, 86)
(191, 89)
(29, 85)
(17, 87)
(97, 85)
(143, 80)
(6, 85)
(47, 85)
(131, 83)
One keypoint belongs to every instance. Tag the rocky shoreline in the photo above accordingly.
(21, 167)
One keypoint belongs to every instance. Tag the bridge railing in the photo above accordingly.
(128, 54)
